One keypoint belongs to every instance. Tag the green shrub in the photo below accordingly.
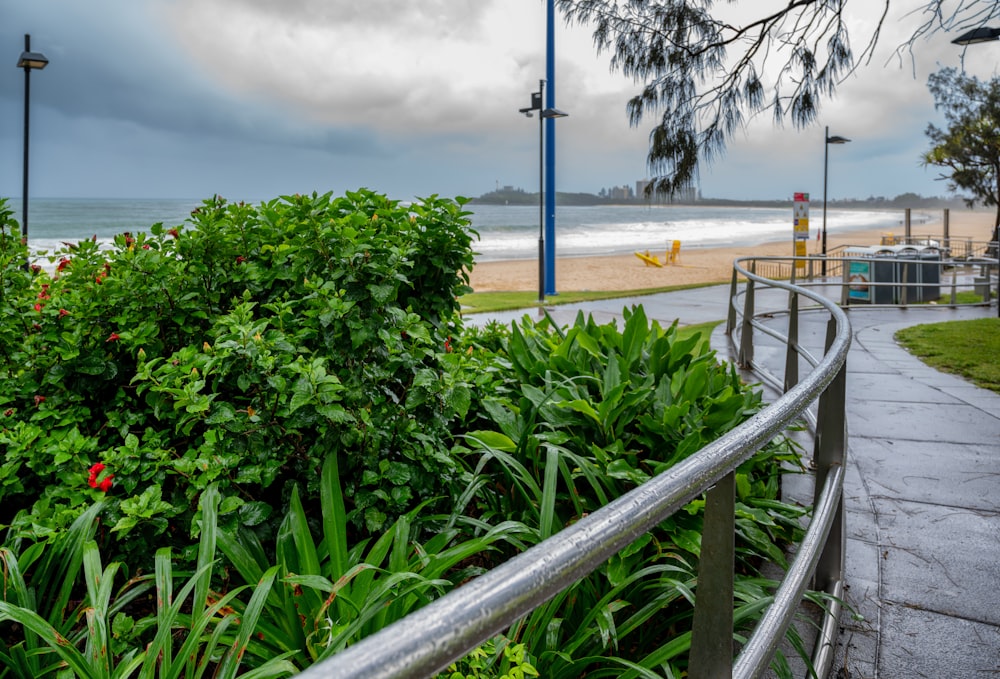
(584, 416)
(237, 349)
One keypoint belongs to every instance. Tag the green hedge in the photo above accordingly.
(236, 349)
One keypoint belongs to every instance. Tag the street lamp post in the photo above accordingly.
(977, 35)
(29, 60)
(826, 168)
(536, 105)
(543, 114)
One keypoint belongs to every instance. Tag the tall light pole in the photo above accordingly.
(543, 114)
(28, 61)
(977, 35)
(826, 170)
(536, 105)
(550, 150)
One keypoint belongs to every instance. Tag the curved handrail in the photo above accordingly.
(821, 553)
(450, 627)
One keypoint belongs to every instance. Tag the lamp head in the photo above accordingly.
(553, 113)
(31, 60)
(981, 34)
(836, 139)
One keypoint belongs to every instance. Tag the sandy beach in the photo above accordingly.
(696, 265)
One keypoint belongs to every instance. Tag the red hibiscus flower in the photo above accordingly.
(63, 263)
(105, 483)
(39, 399)
(63, 312)
(174, 232)
(113, 337)
(38, 307)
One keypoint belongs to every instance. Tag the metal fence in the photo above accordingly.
(902, 276)
(449, 628)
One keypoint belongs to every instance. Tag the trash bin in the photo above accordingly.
(922, 275)
(866, 278)
(876, 274)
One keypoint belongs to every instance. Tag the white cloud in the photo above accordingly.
(409, 68)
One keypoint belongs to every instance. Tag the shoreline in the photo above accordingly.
(696, 265)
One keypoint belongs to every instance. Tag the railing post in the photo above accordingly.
(791, 347)
(746, 333)
(731, 317)
(712, 630)
(831, 440)
(844, 287)
(904, 283)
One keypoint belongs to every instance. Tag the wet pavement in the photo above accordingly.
(922, 491)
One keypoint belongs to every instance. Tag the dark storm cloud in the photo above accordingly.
(111, 61)
(436, 16)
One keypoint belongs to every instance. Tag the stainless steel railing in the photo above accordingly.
(449, 628)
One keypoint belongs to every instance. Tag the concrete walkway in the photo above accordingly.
(922, 492)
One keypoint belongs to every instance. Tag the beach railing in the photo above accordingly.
(873, 279)
(449, 628)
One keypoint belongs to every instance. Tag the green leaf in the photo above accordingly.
(492, 439)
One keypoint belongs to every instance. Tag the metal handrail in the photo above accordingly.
(821, 554)
(449, 628)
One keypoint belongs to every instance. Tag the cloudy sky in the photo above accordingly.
(256, 98)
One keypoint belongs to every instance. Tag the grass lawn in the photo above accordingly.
(481, 302)
(967, 348)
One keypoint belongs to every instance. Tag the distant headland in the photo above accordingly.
(515, 196)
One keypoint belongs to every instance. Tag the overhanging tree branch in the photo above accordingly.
(704, 76)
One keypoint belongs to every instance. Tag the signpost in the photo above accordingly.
(800, 227)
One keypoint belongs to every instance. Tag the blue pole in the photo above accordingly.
(550, 153)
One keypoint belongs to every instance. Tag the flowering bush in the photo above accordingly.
(236, 349)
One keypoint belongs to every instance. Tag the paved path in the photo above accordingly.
(922, 493)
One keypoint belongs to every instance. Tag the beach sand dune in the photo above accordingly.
(696, 265)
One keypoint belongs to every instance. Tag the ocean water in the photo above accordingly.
(505, 231)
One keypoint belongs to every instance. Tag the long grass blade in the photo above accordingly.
(248, 622)
(206, 547)
(550, 484)
(15, 591)
(163, 574)
(59, 567)
(334, 517)
(168, 616)
(100, 585)
(51, 638)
